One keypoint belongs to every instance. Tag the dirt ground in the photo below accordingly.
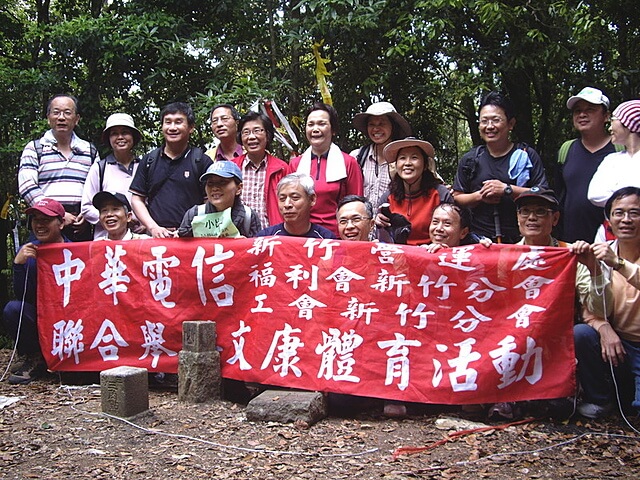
(55, 431)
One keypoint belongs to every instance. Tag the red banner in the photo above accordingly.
(463, 325)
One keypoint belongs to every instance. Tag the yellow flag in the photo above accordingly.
(4, 213)
(322, 73)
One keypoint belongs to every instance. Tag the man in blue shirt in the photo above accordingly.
(19, 316)
(296, 197)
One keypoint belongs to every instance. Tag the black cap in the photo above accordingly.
(536, 192)
(101, 198)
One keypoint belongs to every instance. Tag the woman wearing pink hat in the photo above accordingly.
(381, 124)
(620, 169)
(115, 172)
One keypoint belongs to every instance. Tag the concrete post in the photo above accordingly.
(199, 363)
(124, 391)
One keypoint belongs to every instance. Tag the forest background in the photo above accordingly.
(433, 59)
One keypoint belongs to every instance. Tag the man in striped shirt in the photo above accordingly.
(56, 165)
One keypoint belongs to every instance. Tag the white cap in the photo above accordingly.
(591, 95)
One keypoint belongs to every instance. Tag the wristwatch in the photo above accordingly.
(508, 190)
(619, 264)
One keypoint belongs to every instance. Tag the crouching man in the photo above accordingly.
(612, 343)
(20, 316)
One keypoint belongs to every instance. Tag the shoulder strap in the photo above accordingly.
(564, 151)
(196, 161)
(247, 219)
(471, 164)
(442, 192)
(102, 165)
(151, 161)
(362, 155)
(38, 146)
(93, 151)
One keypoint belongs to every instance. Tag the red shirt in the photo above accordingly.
(330, 193)
(418, 209)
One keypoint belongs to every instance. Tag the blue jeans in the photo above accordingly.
(28, 343)
(595, 375)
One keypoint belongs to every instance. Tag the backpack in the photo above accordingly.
(470, 167)
(363, 153)
(93, 151)
(247, 216)
(151, 159)
(564, 150)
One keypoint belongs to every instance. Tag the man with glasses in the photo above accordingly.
(611, 343)
(538, 212)
(261, 170)
(224, 125)
(355, 218)
(56, 165)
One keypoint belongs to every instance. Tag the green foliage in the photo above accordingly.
(432, 59)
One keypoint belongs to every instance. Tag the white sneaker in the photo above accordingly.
(591, 410)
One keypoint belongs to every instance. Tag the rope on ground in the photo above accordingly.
(452, 436)
(411, 450)
(221, 445)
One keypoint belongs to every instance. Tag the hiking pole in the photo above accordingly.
(496, 224)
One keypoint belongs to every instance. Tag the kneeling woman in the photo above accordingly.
(223, 185)
(414, 191)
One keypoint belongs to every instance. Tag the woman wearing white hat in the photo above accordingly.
(115, 172)
(415, 191)
(381, 124)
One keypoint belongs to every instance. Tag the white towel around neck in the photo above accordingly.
(336, 168)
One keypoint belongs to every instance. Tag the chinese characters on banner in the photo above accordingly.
(463, 325)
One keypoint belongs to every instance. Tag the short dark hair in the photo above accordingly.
(234, 113)
(333, 115)
(76, 103)
(267, 124)
(178, 107)
(463, 212)
(356, 198)
(618, 194)
(499, 100)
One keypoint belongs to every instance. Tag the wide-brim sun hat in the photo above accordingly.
(391, 151)
(361, 120)
(121, 120)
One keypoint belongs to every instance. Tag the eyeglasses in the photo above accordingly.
(65, 113)
(354, 220)
(485, 122)
(256, 131)
(537, 212)
(619, 214)
(222, 119)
